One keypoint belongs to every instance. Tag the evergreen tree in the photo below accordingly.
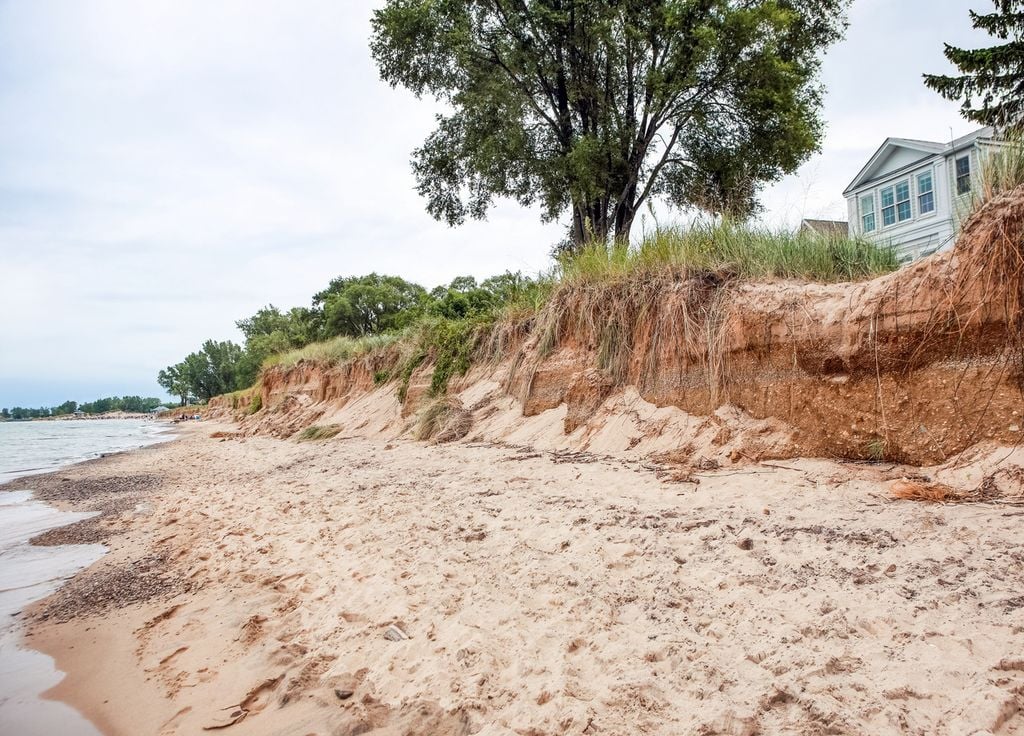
(991, 84)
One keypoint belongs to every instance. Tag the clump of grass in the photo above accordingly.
(408, 366)
(741, 250)
(335, 351)
(875, 450)
(381, 377)
(1001, 170)
(444, 420)
(317, 432)
(256, 404)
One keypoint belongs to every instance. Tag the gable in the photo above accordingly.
(894, 154)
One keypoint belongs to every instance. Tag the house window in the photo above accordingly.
(925, 193)
(963, 175)
(867, 213)
(896, 203)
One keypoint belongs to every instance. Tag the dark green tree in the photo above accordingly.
(173, 380)
(5, 413)
(365, 305)
(595, 106)
(209, 372)
(271, 331)
(990, 86)
(68, 407)
(214, 369)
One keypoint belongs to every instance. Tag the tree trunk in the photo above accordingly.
(625, 213)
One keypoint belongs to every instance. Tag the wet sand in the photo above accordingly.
(361, 585)
(27, 574)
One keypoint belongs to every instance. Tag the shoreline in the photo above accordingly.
(54, 532)
(87, 417)
(366, 585)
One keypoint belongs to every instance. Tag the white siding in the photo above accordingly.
(923, 233)
(896, 160)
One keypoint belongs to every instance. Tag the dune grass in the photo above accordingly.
(316, 432)
(741, 251)
(1002, 170)
(335, 351)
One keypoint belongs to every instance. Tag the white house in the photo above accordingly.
(913, 194)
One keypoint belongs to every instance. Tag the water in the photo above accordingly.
(29, 573)
(28, 448)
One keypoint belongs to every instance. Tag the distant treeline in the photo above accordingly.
(355, 306)
(133, 404)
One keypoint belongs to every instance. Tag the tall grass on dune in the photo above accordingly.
(1002, 170)
(334, 351)
(743, 251)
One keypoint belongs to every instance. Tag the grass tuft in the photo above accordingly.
(318, 432)
(444, 420)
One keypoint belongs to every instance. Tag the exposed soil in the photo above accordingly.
(914, 367)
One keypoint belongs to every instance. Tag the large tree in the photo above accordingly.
(595, 106)
(990, 86)
(175, 382)
(366, 305)
(272, 331)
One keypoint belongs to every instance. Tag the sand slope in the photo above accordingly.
(541, 593)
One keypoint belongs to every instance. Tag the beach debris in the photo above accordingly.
(395, 633)
(746, 544)
(251, 703)
(343, 694)
(236, 716)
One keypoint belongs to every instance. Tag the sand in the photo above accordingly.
(364, 585)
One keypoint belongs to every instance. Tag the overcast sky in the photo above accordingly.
(169, 166)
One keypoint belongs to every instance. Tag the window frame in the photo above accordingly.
(873, 214)
(958, 177)
(881, 196)
(896, 202)
(921, 211)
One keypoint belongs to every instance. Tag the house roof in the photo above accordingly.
(828, 228)
(927, 149)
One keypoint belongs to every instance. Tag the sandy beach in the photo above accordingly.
(361, 585)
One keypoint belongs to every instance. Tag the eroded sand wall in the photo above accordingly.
(915, 366)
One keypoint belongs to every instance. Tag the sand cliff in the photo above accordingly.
(916, 366)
